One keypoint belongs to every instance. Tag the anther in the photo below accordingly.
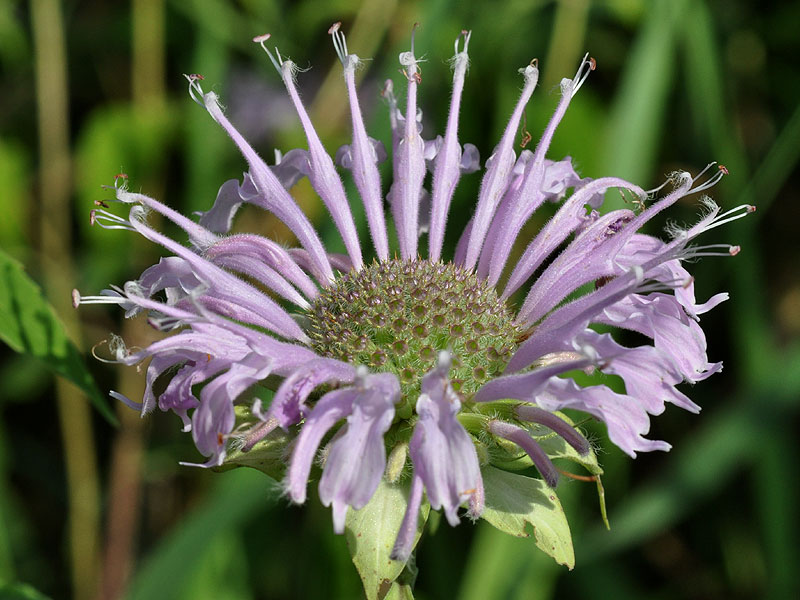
(712, 181)
(339, 41)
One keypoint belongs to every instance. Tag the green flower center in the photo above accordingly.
(396, 316)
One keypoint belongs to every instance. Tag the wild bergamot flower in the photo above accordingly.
(417, 371)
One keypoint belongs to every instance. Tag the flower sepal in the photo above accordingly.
(267, 454)
(371, 532)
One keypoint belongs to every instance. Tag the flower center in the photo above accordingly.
(397, 315)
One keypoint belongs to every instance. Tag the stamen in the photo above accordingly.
(276, 62)
(466, 35)
(108, 220)
(77, 299)
(195, 91)
(709, 250)
(588, 64)
(339, 42)
(732, 215)
(712, 181)
(652, 193)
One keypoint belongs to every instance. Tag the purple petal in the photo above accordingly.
(261, 187)
(362, 158)
(332, 407)
(498, 172)
(447, 171)
(662, 318)
(569, 217)
(288, 405)
(404, 542)
(259, 308)
(265, 250)
(649, 375)
(626, 420)
(322, 173)
(441, 450)
(409, 168)
(357, 458)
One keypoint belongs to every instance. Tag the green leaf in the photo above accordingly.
(20, 591)
(557, 448)
(371, 533)
(514, 501)
(28, 324)
(400, 591)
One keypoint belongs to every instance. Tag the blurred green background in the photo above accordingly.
(91, 89)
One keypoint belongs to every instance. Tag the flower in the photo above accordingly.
(424, 357)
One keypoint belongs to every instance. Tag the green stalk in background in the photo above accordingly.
(57, 269)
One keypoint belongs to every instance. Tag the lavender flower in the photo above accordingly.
(424, 357)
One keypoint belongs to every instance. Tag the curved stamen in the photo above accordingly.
(588, 64)
(261, 41)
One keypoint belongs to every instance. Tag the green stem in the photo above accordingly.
(57, 269)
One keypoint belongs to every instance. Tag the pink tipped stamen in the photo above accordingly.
(465, 34)
(108, 220)
(709, 250)
(195, 89)
(733, 214)
(339, 42)
(712, 181)
(588, 64)
(261, 40)
(77, 299)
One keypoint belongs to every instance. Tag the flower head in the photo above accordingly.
(426, 359)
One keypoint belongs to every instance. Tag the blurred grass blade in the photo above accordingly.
(773, 172)
(639, 109)
(28, 324)
(724, 445)
(20, 591)
(238, 496)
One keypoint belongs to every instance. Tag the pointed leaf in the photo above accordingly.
(371, 533)
(514, 501)
(29, 325)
